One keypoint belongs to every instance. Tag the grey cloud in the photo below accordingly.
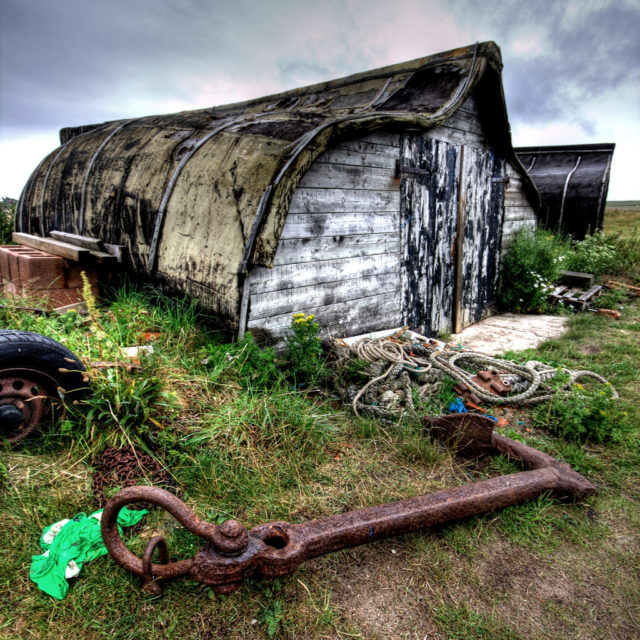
(588, 54)
(296, 72)
(74, 62)
(76, 50)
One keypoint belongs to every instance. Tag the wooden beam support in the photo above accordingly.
(63, 249)
(576, 278)
(56, 247)
(81, 241)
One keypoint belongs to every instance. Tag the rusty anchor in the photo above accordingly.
(231, 553)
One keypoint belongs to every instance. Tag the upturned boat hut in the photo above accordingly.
(573, 181)
(381, 199)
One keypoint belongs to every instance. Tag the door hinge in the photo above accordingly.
(401, 168)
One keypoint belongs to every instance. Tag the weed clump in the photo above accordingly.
(582, 415)
(244, 362)
(128, 400)
(304, 349)
(134, 403)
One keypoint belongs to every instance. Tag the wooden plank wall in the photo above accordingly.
(339, 253)
(518, 213)
(343, 247)
(482, 232)
(465, 128)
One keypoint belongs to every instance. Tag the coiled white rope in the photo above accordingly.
(373, 350)
(420, 359)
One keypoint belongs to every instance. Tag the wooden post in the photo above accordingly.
(457, 296)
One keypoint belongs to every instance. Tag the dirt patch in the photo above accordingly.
(590, 349)
(380, 590)
(557, 596)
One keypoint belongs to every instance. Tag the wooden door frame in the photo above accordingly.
(459, 248)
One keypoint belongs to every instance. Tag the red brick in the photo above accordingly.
(60, 297)
(52, 298)
(42, 271)
(11, 289)
(4, 263)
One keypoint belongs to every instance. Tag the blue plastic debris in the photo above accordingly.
(457, 406)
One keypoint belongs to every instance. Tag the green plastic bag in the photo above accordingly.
(68, 544)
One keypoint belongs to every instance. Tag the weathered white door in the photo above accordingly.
(428, 219)
(483, 180)
(451, 214)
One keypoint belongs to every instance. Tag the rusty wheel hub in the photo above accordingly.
(25, 399)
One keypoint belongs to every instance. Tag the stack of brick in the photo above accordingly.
(46, 280)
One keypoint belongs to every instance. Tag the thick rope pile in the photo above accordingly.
(402, 361)
(532, 372)
(393, 362)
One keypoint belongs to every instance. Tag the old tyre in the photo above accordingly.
(35, 371)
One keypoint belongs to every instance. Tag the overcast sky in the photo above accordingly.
(571, 67)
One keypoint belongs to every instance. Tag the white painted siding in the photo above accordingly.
(339, 253)
(518, 213)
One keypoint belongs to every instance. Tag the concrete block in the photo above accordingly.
(14, 256)
(4, 263)
(14, 267)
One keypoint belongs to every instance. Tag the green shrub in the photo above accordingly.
(582, 415)
(595, 254)
(127, 404)
(7, 219)
(529, 267)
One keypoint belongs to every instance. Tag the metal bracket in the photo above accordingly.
(231, 553)
(401, 168)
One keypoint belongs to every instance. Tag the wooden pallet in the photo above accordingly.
(578, 298)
